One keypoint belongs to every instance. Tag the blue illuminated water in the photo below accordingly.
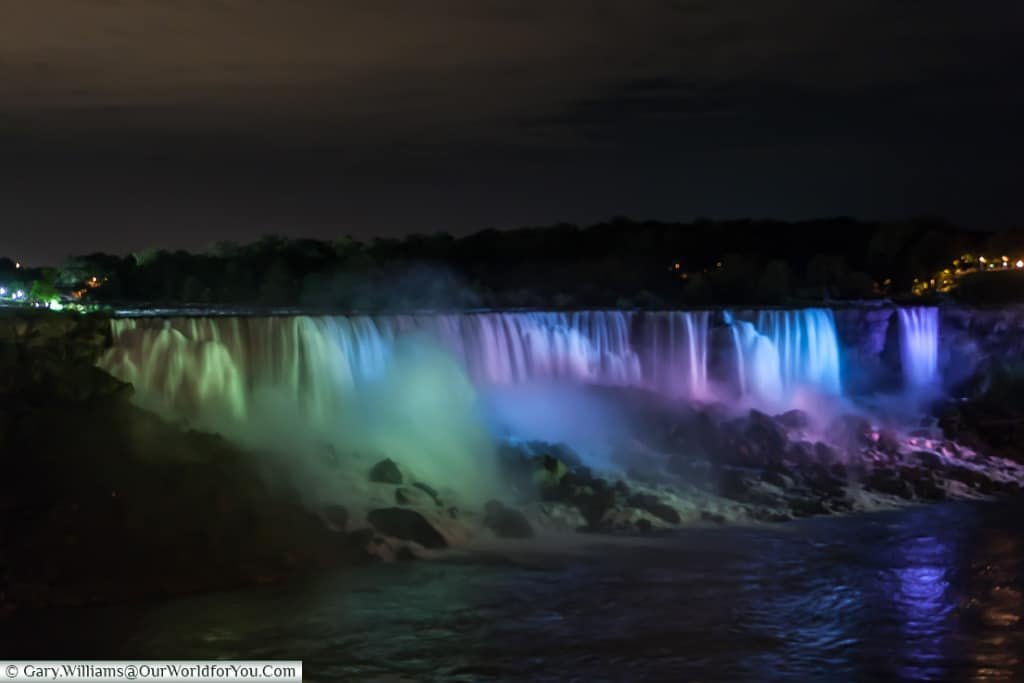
(807, 347)
(929, 593)
(919, 348)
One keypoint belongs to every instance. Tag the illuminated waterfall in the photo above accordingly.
(919, 347)
(756, 369)
(193, 366)
(509, 348)
(212, 366)
(807, 346)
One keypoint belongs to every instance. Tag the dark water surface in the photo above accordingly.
(926, 593)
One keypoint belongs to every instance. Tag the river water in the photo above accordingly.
(924, 593)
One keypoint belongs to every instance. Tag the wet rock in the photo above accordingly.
(693, 471)
(562, 516)
(888, 443)
(808, 507)
(824, 453)
(708, 516)
(764, 440)
(405, 554)
(976, 480)
(506, 522)
(825, 480)
(794, 419)
(380, 549)
(550, 472)
(407, 525)
(802, 454)
(386, 472)
(925, 484)
(735, 484)
(767, 515)
(852, 429)
(654, 506)
(430, 491)
(839, 470)
(412, 497)
(384, 549)
(889, 483)
(777, 478)
(594, 504)
(927, 459)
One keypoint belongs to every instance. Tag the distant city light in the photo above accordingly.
(20, 294)
(1020, 263)
(17, 264)
(3, 291)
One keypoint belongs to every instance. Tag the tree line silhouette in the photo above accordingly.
(619, 263)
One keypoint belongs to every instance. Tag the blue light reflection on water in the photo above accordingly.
(927, 601)
(933, 593)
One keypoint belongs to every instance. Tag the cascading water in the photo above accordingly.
(757, 373)
(361, 382)
(807, 345)
(919, 348)
(194, 363)
(664, 352)
(781, 353)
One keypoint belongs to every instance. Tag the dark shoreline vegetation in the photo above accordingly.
(105, 502)
(622, 264)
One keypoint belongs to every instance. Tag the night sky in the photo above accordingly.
(133, 123)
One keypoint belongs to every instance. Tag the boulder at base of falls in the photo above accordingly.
(407, 525)
(506, 522)
(794, 419)
(550, 471)
(430, 491)
(654, 506)
(386, 472)
(412, 497)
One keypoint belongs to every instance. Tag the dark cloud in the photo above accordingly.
(126, 124)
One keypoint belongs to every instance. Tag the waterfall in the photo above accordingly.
(757, 372)
(919, 347)
(212, 366)
(674, 348)
(190, 366)
(807, 345)
(782, 352)
(665, 352)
